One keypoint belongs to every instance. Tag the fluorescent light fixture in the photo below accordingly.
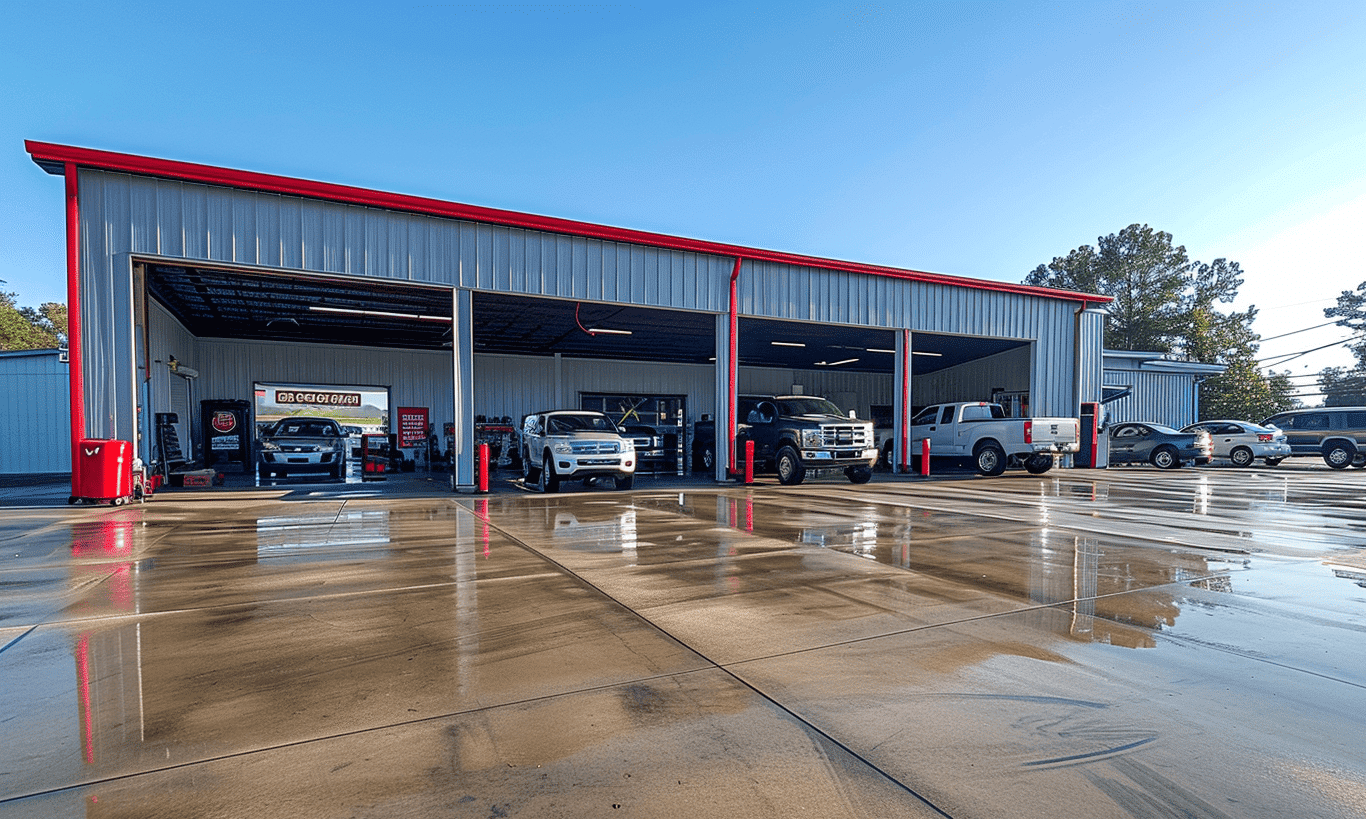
(609, 332)
(876, 350)
(787, 344)
(936, 355)
(380, 313)
(835, 363)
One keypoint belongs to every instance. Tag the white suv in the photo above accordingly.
(575, 445)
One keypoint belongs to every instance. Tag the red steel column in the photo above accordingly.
(73, 317)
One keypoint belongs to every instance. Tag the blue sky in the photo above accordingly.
(972, 138)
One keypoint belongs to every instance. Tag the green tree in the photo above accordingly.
(1346, 386)
(24, 328)
(1166, 302)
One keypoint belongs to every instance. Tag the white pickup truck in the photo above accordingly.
(982, 431)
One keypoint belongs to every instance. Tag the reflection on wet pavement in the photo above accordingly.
(1135, 643)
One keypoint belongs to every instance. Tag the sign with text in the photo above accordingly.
(326, 399)
(412, 426)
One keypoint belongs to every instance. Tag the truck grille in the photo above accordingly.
(846, 435)
(594, 447)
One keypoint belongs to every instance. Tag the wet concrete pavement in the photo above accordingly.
(1118, 643)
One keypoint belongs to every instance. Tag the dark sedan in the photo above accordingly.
(1157, 444)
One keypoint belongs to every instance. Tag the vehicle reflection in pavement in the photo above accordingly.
(108, 660)
(614, 532)
(315, 537)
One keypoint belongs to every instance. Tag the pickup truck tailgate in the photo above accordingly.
(1058, 431)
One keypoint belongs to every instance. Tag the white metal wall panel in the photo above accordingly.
(35, 413)
(168, 338)
(975, 380)
(813, 294)
(871, 388)
(229, 367)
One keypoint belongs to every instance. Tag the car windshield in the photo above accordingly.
(808, 406)
(305, 429)
(580, 423)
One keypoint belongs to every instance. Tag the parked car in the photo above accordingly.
(1337, 434)
(1157, 444)
(1242, 442)
(575, 445)
(302, 444)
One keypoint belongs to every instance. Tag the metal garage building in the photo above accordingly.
(1153, 387)
(243, 278)
(34, 413)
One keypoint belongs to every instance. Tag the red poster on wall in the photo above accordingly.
(412, 426)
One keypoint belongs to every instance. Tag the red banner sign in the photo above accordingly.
(412, 426)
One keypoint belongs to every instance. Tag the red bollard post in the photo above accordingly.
(749, 462)
(925, 457)
(483, 467)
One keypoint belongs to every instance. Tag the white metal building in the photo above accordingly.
(1154, 387)
(245, 278)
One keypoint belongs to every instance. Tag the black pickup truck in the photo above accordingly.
(793, 435)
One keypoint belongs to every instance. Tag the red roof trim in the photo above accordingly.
(54, 157)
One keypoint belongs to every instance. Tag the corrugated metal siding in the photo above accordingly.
(35, 413)
(1091, 354)
(974, 381)
(122, 214)
(418, 378)
(1163, 398)
(813, 294)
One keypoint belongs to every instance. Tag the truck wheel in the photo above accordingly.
(990, 459)
(859, 474)
(790, 469)
(1359, 461)
(548, 481)
(1038, 464)
(1274, 461)
(1339, 456)
(626, 482)
(1165, 457)
(1241, 456)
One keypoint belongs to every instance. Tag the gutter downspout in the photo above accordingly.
(733, 354)
(73, 318)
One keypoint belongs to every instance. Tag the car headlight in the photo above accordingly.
(270, 446)
(627, 445)
(562, 449)
(811, 438)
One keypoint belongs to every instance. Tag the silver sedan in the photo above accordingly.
(1242, 442)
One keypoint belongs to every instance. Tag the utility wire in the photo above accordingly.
(1293, 356)
(1295, 332)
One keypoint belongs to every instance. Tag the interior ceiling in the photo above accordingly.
(246, 304)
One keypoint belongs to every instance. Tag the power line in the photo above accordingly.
(1295, 332)
(1293, 356)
